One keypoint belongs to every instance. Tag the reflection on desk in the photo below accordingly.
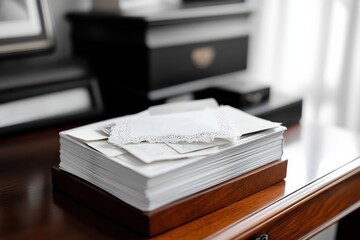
(315, 150)
(319, 190)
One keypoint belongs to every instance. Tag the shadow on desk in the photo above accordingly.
(92, 219)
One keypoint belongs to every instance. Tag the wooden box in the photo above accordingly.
(176, 213)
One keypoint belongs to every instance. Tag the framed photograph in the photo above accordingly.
(25, 26)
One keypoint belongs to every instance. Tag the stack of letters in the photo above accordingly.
(170, 151)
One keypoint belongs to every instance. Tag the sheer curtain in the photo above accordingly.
(311, 48)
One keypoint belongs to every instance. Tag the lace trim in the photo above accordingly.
(121, 133)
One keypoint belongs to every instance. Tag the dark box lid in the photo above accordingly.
(141, 27)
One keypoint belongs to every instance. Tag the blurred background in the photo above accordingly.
(304, 48)
(58, 10)
(311, 47)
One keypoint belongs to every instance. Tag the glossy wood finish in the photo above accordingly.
(186, 209)
(321, 187)
(304, 211)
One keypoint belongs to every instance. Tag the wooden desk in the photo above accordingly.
(322, 187)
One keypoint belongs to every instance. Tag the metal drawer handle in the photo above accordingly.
(263, 237)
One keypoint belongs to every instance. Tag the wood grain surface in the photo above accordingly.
(30, 209)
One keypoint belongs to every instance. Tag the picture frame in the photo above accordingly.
(25, 26)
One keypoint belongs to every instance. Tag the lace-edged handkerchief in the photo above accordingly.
(194, 126)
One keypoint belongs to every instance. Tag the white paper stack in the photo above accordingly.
(148, 175)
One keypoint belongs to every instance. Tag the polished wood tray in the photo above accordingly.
(174, 214)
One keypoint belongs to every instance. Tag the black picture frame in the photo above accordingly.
(27, 28)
